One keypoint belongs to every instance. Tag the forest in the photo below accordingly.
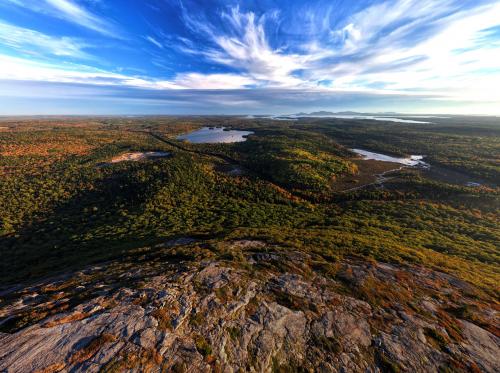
(64, 204)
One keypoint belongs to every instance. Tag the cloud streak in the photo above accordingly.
(33, 42)
(70, 11)
(413, 47)
(438, 52)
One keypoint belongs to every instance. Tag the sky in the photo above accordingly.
(113, 57)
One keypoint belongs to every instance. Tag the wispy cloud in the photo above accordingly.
(425, 50)
(21, 69)
(438, 49)
(153, 41)
(213, 81)
(36, 43)
(72, 98)
(71, 12)
(392, 46)
(248, 49)
(245, 46)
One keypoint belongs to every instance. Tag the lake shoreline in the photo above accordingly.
(215, 135)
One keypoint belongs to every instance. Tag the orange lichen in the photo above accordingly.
(57, 367)
(66, 319)
(92, 348)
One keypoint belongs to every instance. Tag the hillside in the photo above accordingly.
(124, 248)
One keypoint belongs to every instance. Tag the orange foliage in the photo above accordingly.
(58, 148)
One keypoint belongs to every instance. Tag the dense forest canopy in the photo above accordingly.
(63, 204)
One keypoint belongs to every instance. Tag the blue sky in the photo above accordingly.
(249, 57)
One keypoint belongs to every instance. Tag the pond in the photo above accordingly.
(414, 160)
(211, 135)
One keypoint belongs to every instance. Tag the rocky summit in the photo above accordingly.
(247, 305)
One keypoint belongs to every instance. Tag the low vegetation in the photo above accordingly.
(60, 209)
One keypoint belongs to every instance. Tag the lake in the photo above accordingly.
(372, 117)
(414, 160)
(212, 135)
(342, 116)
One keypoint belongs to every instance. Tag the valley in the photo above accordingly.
(127, 246)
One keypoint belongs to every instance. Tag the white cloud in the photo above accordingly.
(74, 13)
(33, 42)
(70, 12)
(246, 47)
(213, 81)
(402, 47)
(154, 41)
(451, 61)
(249, 50)
(14, 68)
(394, 47)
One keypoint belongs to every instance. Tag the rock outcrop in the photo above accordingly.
(270, 309)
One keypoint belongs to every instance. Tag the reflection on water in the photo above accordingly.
(414, 160)
(347, 116)
(211, 135)
(400, 120)
(372, 117)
